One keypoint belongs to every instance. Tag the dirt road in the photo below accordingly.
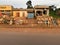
(18, 38)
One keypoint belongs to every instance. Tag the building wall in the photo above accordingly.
(47, 12)
(6, 9)
(21, 13)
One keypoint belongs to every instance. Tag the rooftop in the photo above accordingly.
(41, 6)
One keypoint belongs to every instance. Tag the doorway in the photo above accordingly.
(44, 12)
(39, 13)
(17, 14)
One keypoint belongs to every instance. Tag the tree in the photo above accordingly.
(29, 4)
(58, 12)
(52, 8)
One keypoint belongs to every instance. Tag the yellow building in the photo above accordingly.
(6, 9)
(20, 13)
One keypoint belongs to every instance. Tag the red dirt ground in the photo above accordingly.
(9, 28)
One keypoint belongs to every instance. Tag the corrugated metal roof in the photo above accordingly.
(41, 6)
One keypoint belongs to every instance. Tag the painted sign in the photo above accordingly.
(3, 7)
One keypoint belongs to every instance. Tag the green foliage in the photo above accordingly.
(53, 13)
(29, 4)
(56, 13)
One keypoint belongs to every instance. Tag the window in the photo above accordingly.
(44, 12)
(18, 14)
(7, 10)
(1, 10)
(39, 13)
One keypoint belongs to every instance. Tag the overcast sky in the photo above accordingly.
(22, 3)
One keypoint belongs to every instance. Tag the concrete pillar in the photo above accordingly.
(47, 12)
(35, 12)
(42, 12)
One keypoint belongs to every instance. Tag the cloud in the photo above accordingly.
(22, 3)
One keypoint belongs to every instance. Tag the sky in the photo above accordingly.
(22, 3)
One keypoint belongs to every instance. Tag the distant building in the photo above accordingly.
(37, 14)
(19, 13)
(6, 9)
(38, 10)
(41, 10)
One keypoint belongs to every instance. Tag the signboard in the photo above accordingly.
(5, 7)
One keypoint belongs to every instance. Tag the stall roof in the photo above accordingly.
(41, 6)
(21, 9)
(30, 10)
